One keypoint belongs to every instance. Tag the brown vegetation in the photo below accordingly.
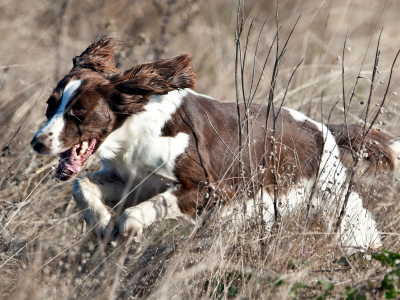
(46, 251)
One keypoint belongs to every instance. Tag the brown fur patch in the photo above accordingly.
(129, 91)
(209, 160)
(99, 56)
(375, 144)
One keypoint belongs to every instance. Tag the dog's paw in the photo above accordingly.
(131, 223)
(113, 239)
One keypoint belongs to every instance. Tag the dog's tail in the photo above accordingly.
(379, 151)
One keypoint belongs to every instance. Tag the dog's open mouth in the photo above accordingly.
(73, 159)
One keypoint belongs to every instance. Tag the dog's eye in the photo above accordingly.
(78, 111)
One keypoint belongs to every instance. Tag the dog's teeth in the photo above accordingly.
(67, 173)
(84, 147)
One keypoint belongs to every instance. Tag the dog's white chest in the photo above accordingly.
(138, 148)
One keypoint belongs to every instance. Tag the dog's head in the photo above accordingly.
(94, 99)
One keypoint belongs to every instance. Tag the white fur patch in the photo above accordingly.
(197, 94)
(137, 147)
(89, 195)
(358, 228)
(395, 146)
(288, 203)
(332, 173)
(56, 124)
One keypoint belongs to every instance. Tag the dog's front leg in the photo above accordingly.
(163, 206)
(90, 193)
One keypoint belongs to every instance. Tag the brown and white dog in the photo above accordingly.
(178, 150)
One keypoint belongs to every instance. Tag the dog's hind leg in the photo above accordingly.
(358, 229)
(90, 193)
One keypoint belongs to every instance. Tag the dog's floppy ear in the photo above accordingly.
(129, 96)
(164, 75)
(177, 72)
(131, 89)
(99, 56)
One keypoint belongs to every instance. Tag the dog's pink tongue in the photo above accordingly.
(70, 163)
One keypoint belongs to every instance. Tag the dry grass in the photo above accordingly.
(46, 249)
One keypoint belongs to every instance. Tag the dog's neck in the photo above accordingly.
(139, 141)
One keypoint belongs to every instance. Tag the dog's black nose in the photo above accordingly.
(39, 145)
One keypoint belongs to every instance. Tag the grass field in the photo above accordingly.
(46, 250)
